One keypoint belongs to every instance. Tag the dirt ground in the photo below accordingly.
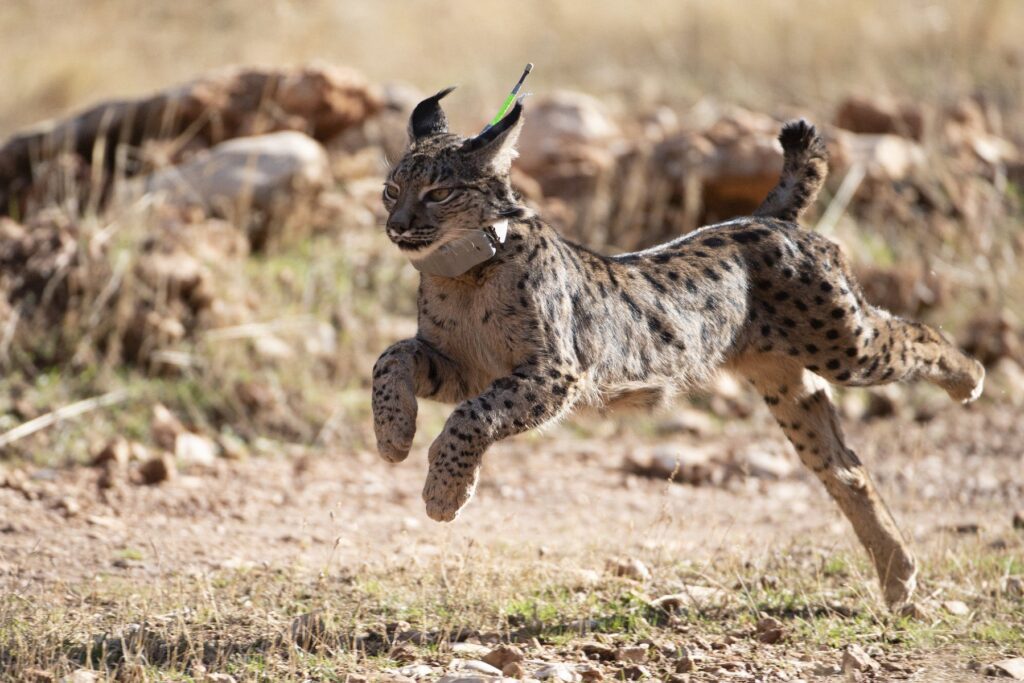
(555, 499)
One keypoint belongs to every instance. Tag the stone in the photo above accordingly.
(690, 596)
(1013, 586)
(158, 469)
(600, 651)
(629, 568)
(503, 655)
(558, 672)
(561, 121)
(165, 427)
(1006, 668)
(81, 676)
(243, 174)
(881, 115)
(856, 659)
(480, 667)
(219, 678)
(193, 449)
(470, 650)
(956, 608)
(635, 653)
(513, 670)
(415, 671)
(770, 630)
(116, 452)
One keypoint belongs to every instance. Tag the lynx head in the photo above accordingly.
(446, 185)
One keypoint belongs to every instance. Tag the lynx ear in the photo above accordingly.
(496, 146)
(428, 118)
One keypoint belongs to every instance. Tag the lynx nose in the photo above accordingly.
(398, 222)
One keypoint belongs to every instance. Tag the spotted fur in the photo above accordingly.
(547, 326)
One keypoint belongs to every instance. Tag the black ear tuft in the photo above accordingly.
(496, 131)
(428, 118)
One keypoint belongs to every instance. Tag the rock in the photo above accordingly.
(856, 659)
(595, 650)
(271, 348)
(513, 670)
(628, 567)
(1006, 668)
(690, 596)
(635, 673)
(880, 115)
(1013, 586)
(676, 463)
(883, 157)
(320, 99)
(193, 449)
(219, 678)
(415, 671)
(116, 452)
(470, 650)
(770, 630)
(81, 676)
(559, 122)
(765, 464)
(479, 667)
(636, 653)
(992, 336)
(590, 674)
(165, 427)
(233, 178)
(956, 608)
(503, 655)
(158, 469)
(558, 672)
(464, 678)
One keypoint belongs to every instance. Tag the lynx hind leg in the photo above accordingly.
(815, 312)
(800, 403)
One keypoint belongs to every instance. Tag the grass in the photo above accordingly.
(243, 621)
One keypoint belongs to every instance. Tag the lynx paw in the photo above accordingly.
(451, 481)
(394, 423)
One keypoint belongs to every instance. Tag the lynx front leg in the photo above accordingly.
(408, 369)
(529, 397)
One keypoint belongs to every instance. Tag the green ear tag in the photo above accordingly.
(507, 104)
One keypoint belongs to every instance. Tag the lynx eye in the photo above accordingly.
(391, 191)
(438, 194)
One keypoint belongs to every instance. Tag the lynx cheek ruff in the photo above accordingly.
(454, 258)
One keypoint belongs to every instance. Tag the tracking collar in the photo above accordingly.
(457, 256)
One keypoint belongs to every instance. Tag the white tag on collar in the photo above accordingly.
(457, 256)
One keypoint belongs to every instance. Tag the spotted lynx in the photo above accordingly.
(545, 325)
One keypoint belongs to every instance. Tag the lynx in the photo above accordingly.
(544, 325)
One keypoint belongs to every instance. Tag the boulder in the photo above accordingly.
(880, 115)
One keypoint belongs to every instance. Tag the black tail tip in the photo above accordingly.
(800, 135)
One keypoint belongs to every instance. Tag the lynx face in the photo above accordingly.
(446, 185)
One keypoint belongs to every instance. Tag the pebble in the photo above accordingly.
(1007, 668)
(158, 469)
(503, 655)
(956, 608)
(770, 630)
(629, 567)
(856, 659)
(558, 672)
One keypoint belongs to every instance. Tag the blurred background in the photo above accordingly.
(191, 189)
